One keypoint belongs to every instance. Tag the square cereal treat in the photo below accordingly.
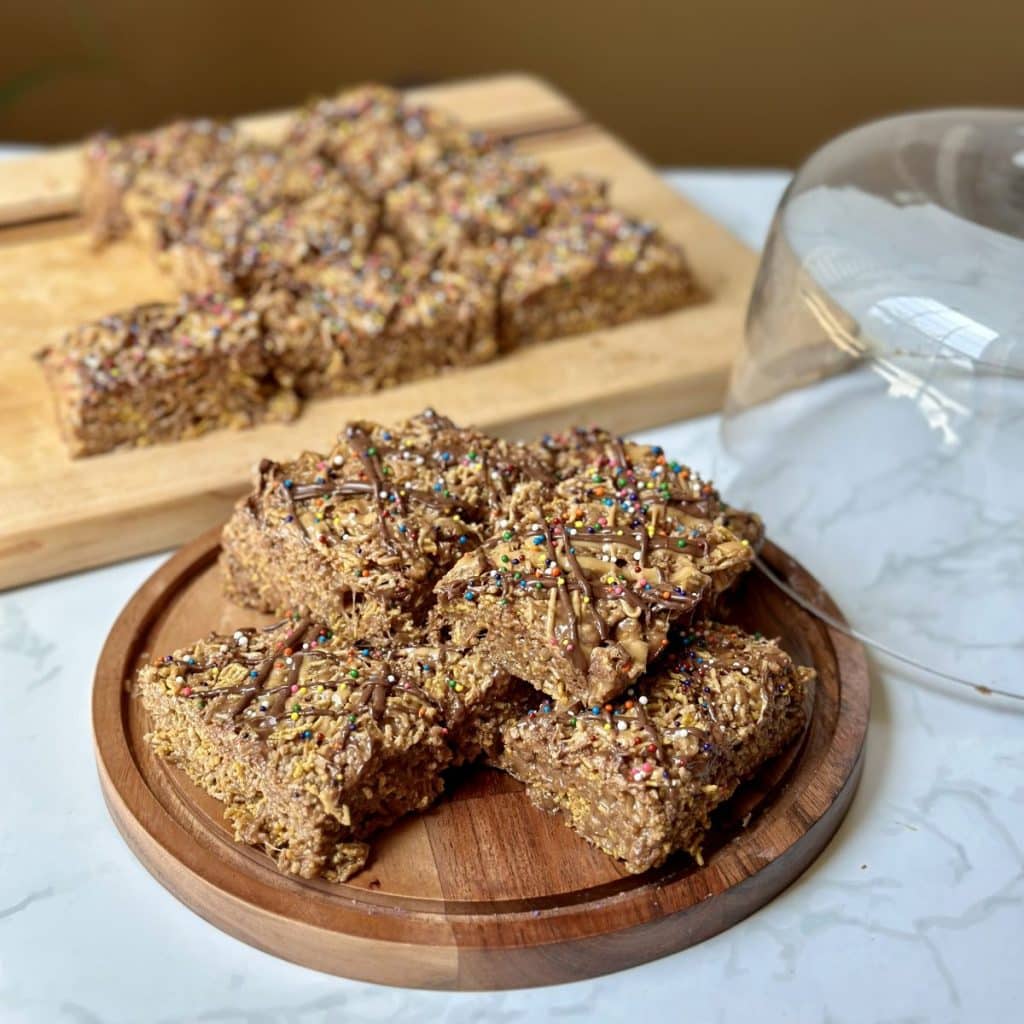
(311, 744)
(379, 139)
(261, 218)
(112, 165)
(361, 534)
(577, 591)
(164, 202)
(501, 196)
(367, 324)
(163, 372)
(640, 777)
(598, 269)
(239, 247)
(589, 448)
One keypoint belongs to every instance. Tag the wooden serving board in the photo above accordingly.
(483, 890)
(59, 515)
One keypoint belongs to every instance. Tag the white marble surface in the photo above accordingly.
(913, 913)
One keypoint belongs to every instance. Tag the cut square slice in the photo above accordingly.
(577, 592)
(361, 535)
(363, 325)
(311, 744)
(112, 166)
(593, 449)
(501, 196)
(379, 139)
(640, 777)
(239, 247)
(163, 372)
(230, 228)
(600, 269)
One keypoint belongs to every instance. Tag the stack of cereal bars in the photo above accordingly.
(444, 596)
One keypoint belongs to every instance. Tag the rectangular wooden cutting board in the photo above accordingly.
(58, 515)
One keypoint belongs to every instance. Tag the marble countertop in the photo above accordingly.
(913, 913)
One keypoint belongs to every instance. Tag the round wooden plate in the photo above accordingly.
(483, 890)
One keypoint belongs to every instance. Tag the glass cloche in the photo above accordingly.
(876, 416)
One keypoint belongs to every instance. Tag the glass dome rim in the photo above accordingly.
(1011, 361)
(891, 119)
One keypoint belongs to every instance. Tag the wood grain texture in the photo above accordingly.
(483, 891)
(127, 503)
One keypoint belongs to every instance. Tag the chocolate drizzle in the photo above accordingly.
(234, 704)
(375, 694)
(350, 488)
(652, 730)
(450, 447)
(585, 588)
(579, 657)
(636, 599)
(244, 693)
(367, 455)
(621, 459)
(346, 489)
(640, 540)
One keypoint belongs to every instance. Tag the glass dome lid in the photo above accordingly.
(876, 416)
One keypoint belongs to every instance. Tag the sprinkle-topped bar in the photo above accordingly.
(163, 371)
(361, 534)
(113, 166)
(577, 592)
(598, 269)
(380, 140)
(577, 450)
(640, 776)
(354, 327)
(315, 741)
(258, 224)
(502, 196)
(312, 744)
(166, 371)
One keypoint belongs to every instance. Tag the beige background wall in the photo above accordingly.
(687, 83)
